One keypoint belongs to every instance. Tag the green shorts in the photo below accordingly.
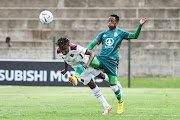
(109, 66)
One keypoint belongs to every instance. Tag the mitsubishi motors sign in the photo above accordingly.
(37, 73)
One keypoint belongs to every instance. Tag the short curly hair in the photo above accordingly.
(116, 17)
(62, 42)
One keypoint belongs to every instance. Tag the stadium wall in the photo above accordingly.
(156, 53)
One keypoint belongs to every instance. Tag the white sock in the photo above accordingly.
(106, 77)
(98, 94)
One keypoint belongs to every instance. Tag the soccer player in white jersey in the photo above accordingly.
(75, 56)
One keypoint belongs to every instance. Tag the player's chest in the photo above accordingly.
(111, 42)
(111, 38)
(72, 56)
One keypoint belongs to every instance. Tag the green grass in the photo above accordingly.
(79, 103)
(151, 82)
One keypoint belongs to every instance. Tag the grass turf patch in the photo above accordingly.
(55, 103)
(151, 82)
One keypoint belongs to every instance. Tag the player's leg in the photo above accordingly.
(117, 91)
(99, 95)
(95, 63)
(110, 68)
(103, 76)
(106, 78)
(86, 79)
(79, 70)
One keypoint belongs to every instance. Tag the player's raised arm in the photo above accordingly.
(92, 45)
(136, 34)
(65, 69)
(91, 57)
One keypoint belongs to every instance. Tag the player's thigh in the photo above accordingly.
(110, 69)
(86, 76)
(94, 72)
(112, 79)
(95, 63)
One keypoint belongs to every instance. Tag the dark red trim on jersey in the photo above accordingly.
(86, 51)
(73, 47)
(58, 51)
(81, 55)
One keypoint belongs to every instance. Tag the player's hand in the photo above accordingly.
(85, 66)
(63, 71)
(142, 21)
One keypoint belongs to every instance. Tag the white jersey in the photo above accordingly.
(75, 56)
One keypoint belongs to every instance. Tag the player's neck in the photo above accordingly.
(112, 29)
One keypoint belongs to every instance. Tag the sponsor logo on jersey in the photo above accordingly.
(109, 42)
(115, 34)
(82, 80)
(104, 35)
(72, 55)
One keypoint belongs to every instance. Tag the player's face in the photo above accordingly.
(112, 23)
(65, 49)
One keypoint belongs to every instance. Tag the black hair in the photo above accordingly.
(62, 42)
(8, 39)
(116, 17)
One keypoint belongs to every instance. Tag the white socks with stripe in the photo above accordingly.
(98, 94)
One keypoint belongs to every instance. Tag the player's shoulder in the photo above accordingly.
(72, 46)
(121, 31)
(103, 32)
(58, 51)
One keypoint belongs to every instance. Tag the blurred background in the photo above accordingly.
(156, 53)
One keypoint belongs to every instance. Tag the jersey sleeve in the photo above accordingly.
(99, 38)
(81, 49)
(126, 35)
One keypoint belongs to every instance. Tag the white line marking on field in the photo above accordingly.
(5, 86)
(94, 115)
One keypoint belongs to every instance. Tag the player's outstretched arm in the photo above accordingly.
(142, 21)
(92, 45)
(91, 57)
(66, 68)
(136, 34)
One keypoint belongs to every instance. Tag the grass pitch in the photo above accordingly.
(79, 103)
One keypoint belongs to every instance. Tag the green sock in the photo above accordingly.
(77, 75)
(79, 70)
(118, 95)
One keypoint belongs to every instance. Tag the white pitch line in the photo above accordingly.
(95, 115)
(5, 86)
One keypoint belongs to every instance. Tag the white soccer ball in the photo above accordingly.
(46, 17)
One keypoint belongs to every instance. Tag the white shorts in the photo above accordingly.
(88, 74)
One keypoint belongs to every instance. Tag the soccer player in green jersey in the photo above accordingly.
(108, 59)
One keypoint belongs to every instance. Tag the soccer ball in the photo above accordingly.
(46, 17)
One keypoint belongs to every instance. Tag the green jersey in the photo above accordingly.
(111, 41)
